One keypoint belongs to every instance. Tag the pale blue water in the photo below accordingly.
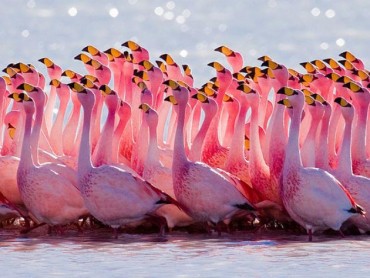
(272, 254)
(289, 31)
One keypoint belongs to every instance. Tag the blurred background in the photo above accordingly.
(288, 31)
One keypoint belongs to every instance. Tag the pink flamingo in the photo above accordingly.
(312, 196)
(209, 107)
(213, 153)
(159, 175)
(112, 195)
(138, 52)
(96, 54)
(361, 97)
(358, 186)
(235, 59)
(308, 149)
(206, 194)
(259, 171)
(56, 132)
(116, 61)
(50, 198)
(54, 72)
(124, 113)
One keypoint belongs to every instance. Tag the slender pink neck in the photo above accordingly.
(103, 150)
(36, 130)
(26, 161)
(236, 152)
(333, 124)
(84, 157)
(256, 155)
(292, 153)
(196, 147)
(359, 138)
(153, 152)
(70, 130)
(56, 134)
(344, 157)
(322, 160)
(308, 150)
(179, 146)
(50, 107)
(117, 137)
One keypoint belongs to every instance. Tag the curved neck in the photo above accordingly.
(292, 154)
(153, 152)
(36, 130)
(344, 156)
(359, 137)
(57, 129)
(118, 132)
(322, 160)
(84, 156)
(26, 156)
(196, 147)
(70, 130)
(49, 107)
(103, 150)
(256, 155)
(333, 124)
(308, 150)
(179, 146)
(237, 143)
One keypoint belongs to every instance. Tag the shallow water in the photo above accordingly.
(289, 31)
(270, 254)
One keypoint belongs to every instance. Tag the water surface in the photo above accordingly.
(266, 254)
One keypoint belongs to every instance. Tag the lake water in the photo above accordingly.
(289, 31)
(270, 254)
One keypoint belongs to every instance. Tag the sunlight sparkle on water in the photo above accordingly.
(183, 53)
(159, 11)
(330, 13)
(170, 5)
(113, 12)
(315, 11)
(186, 13)
(25, 33)
(169, 15)
(324, 45)
(340, 42)
(72, 11)
(180, 19)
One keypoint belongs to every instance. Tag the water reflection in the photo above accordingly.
(181, 255)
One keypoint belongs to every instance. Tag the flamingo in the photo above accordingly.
(235, 59)
(159, 175)
(50, 197)
(56, 132)
(96, 54)
(113, 196)
(206, 194)
(213, 153)
(361, 97)
(302, 187)
(54, 72)
(138, 52)
(358, 186)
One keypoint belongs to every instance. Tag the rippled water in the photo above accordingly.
(182, 255)
(288, 31)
